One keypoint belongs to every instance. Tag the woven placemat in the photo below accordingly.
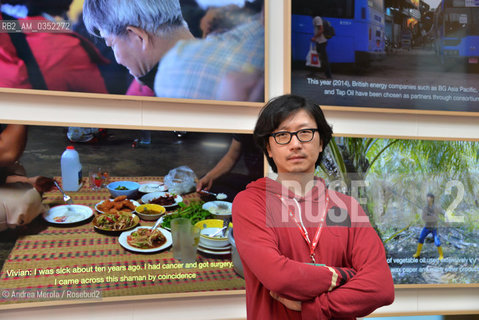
(81, 258)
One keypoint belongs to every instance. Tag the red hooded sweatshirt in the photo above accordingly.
(277, 258)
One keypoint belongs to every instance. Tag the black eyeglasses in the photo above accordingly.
(284, 137)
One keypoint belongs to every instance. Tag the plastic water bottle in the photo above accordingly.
(71, 169)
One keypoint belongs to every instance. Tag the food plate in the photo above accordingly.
(219, 208)
(68, 214)
(152, 186)
(124, 242)
(205, 246)
(161, 222)
(135, 203)
(155, 195)
(134, 223)
(221, 252)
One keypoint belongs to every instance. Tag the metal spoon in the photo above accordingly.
(216, 233)
(156, 224)
(66, 198)
(219, 196)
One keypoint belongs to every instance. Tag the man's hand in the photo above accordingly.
(42, 184)
(290, 304)
(204, 183)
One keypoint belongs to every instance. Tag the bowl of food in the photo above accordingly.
(152, 186)
(150, 211)
(123, 188)
(219, 209)
(210, 235)
(145, 239)
(164, 199)
(115, 222)
(120, 203)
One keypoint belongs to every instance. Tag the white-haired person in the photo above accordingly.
(152, 40)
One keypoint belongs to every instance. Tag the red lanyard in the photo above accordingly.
(312, 245)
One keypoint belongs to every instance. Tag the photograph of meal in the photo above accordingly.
(111, 226)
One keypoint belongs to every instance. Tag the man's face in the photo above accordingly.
(430, 201)
(128, 52)
(296, 156)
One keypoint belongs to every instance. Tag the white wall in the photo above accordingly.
(125, 113)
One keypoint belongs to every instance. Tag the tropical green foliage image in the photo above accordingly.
(391, 178)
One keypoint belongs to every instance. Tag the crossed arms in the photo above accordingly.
(323, 291)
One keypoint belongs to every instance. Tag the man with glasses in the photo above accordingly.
(307, 252)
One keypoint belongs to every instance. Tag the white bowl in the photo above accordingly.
(219, 209)
(218, 241)
(152, 187)
(208, 227)
(130, 193)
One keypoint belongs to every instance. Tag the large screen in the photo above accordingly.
(421, 197)
(386, 55)
(199, 50)
(96, 243)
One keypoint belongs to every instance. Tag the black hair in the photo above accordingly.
(37, 7)
(430, 195)
(280, 108)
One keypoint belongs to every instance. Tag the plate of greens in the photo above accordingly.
(192, 211)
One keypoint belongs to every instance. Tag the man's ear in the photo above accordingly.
(140, 35)
(268, 149)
